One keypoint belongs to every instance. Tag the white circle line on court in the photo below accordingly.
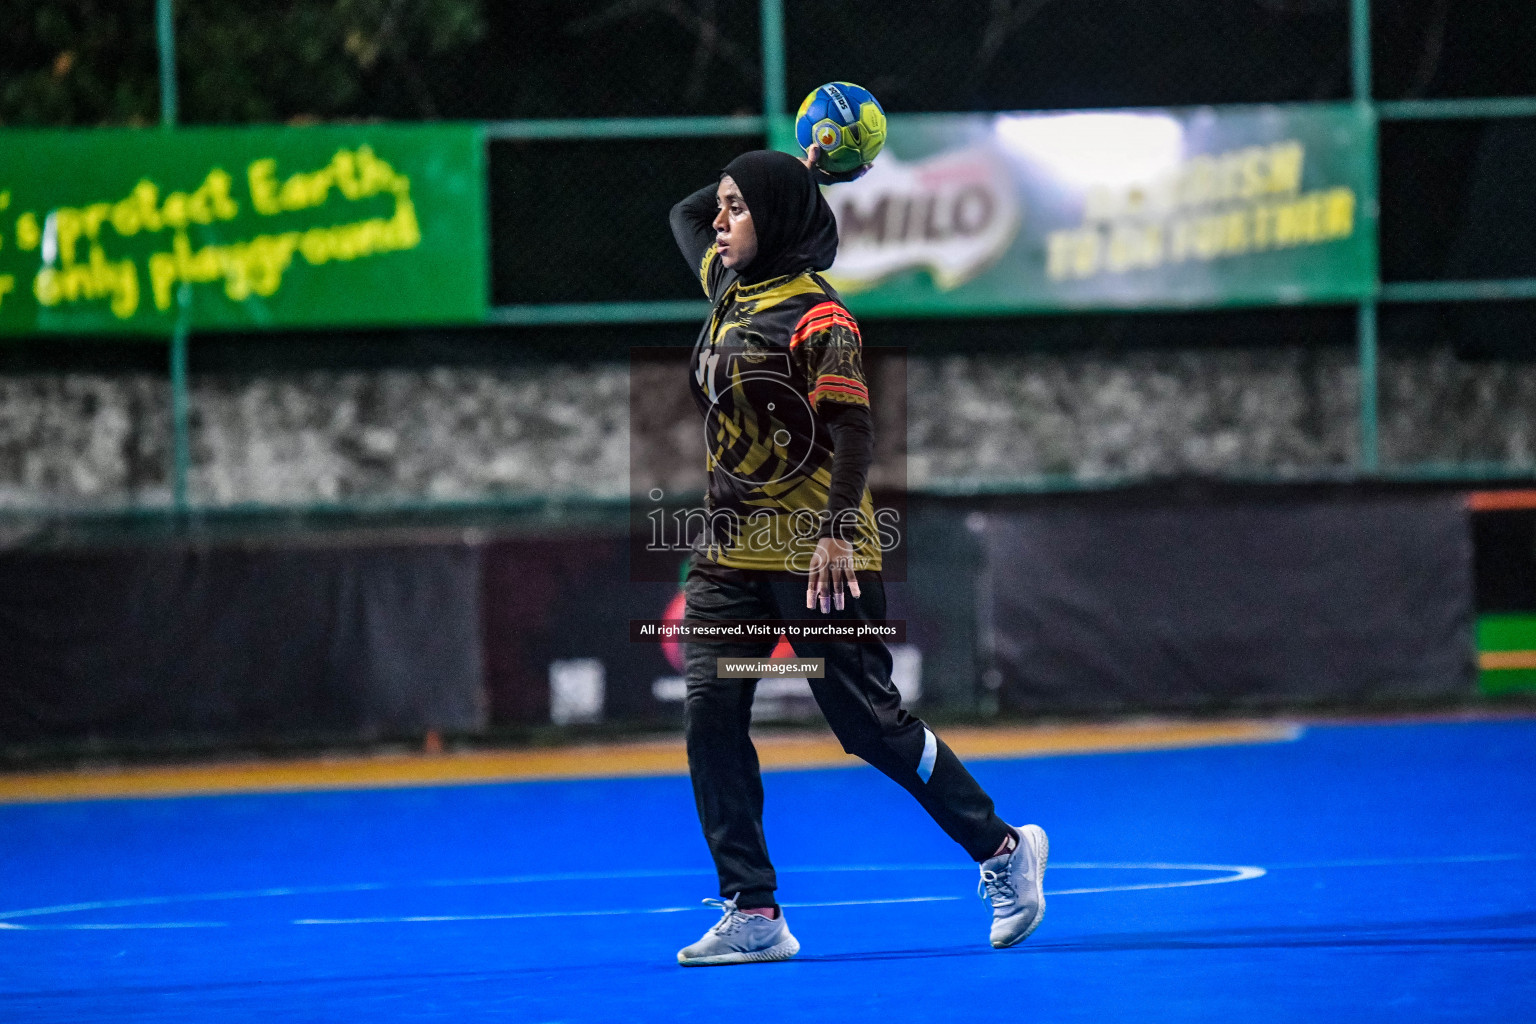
(1239, 873)
(1231, 873)
(601, 913)
(1234, 873)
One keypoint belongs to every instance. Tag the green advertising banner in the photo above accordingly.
(113, 230)
(1121, 209)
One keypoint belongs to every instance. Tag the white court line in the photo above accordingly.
(157, 901)
(486, 917)
(1233, 873)
(1239, 873)
(126, 926)
(595, 913)
(1398, 861)
(560, 876)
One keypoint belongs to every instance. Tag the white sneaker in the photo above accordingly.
(1014, 883)
(740, 938)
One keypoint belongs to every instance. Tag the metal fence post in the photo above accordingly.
(1370, 448)
(181, 440)
(165, 39)
(181, 434)
(1366, 334)
(780, 127)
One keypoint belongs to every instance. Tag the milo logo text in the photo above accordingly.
(953, 215)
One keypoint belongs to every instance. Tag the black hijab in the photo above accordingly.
(795, 227)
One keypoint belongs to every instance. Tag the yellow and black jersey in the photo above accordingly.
(771, 360)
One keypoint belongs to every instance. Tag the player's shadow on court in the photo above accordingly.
(1393, 934)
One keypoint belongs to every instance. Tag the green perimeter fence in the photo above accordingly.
(775, 126)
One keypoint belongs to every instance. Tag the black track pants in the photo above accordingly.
(857, 698)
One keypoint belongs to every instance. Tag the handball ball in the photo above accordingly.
(846, 121)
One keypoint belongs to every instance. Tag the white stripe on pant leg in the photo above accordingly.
(930, 754)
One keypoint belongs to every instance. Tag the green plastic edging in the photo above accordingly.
(1504, 633)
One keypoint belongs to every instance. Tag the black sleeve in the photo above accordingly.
(853, 440)
(691, 220)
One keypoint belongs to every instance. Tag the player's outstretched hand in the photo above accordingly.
(831, 569)
(827, 177)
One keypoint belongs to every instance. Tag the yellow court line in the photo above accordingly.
(783, 751)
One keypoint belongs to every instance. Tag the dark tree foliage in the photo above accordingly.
(88, 62)
(78, 63)
(93, 62)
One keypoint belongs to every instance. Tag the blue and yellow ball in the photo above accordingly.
(846, 121)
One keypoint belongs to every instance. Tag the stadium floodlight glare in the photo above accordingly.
(1114, 149)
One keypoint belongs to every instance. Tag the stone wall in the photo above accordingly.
(992, 419)
(84, 440)
(441, 434)
(467, 433)
(1438, 409)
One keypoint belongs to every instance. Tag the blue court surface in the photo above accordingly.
(1357, 873)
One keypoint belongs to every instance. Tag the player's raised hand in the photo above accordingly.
(825, 177)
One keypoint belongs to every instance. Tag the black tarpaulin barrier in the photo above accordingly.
(239, 642)
(1094, 606)
(548, 599)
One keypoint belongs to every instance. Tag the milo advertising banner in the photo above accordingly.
(1111, 209)
(123, 230)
